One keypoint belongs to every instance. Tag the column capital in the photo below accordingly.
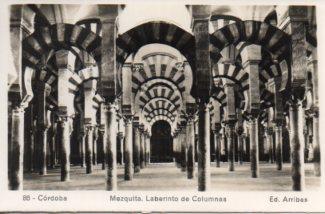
(88, 128)
(128, 119)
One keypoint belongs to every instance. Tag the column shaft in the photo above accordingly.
(82, 144)
(217, 147)
(316, 146)
(240, 149)
(64, 133)
(231, 147)
(142, 150)
(42, 139)
(269, 138)
(278, 141)
(190, 149)
(254, 154)
(16, 151)
(297, 145)
(183, 150)
(204, 180)
(89, 149)
(110, 135)
(128, 151)
(136, 150)
(95, 148)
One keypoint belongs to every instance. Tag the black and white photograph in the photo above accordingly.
(163, 96)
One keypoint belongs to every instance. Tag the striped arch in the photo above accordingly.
(260, 33)
(267, 99)
(219, 95)
(158, 66)
(157, 112)
(232, 72)
(155, 32)
(158, 103)
(59, 36)
(164, 118)
(160, 91)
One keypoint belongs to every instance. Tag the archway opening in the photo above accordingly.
(161, 142)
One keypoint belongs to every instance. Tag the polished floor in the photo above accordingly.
(166, 176)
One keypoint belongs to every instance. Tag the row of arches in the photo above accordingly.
(86, 71)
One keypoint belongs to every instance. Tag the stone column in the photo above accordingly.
(217, 146)
(204, 173)
(278, 140)
(136, 149)
(102, 141)
(230, 128)
(223, 141)
(120, 141)
(95, 143)
(297, 22)
(254, 154)
(52, 143)
(142, 148)
(89, 147)
(178, 150)
(29, 139)
(240, 149)
(190, 148)
(16, 150)
(64, 133)
(148, 149)
(269, 140)
(183, 148)
(128, 149)
(251, 57)
(297, 145)
(316, 146)
(110, 135)
(42, 125)
(82, 145)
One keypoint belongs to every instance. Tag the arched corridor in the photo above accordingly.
(161, 143)
(211, 100)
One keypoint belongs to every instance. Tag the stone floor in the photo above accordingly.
(165, 176)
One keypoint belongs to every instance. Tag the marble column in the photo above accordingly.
(254, 154)
(240, 149)
(42, 125)
(296, 26)
(110, 135)
(102, 141)
(178, 150)
(42, 139)
(316, 146)
(64, 133)
(95, 143)
(269, 140)
(136, 149)
(278, 141)
(204, 173)
(183, 149)
(217, 147)
(147, 149)
(230, 128)
(16, 150)
(82, 147)
(190, 148)
(128, 149)
(142, 148)
(89, 147)
(297, 145)
(52, 143)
